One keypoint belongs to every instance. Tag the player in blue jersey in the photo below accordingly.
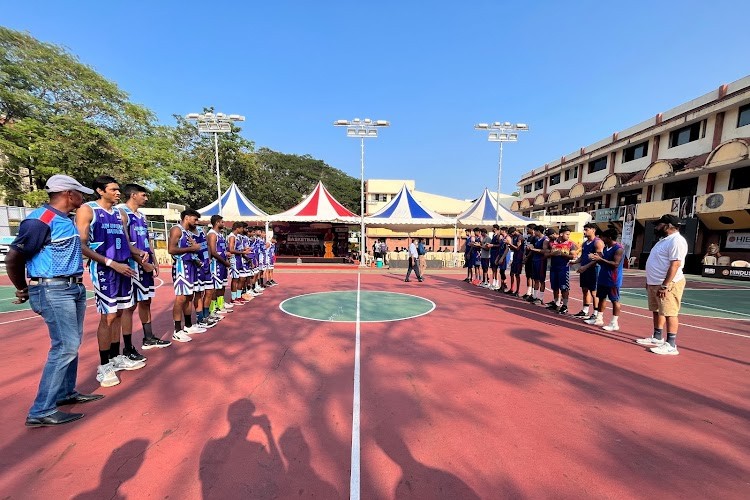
(237, 253)
(203, 282)
(538, 251)
(516, 263)
(589, 270)
(562, 252)
(467, 256)
(609, 281)
(528, 261)
(501, 258)
(104, 243)
(217, 247)
(184, 251)
(272, 260)
(48, 250)
(136, 229)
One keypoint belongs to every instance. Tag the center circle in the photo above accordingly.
(341, 307)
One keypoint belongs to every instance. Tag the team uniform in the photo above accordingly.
(516, 263)
(467, 252)
(219, 270)
(143, 283)
(476, 252)
(107, 238)
(589, 277)
(502, 265)
(539, 261)
(271, 256)
(610, 279)
(237, 262)
(495, 251)
(250, 261)
(559, 271)
(204, 281)
(185, 266)
(529, 271)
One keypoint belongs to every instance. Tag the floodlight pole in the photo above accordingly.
(501, 132)
(363, 129)
(216, 124)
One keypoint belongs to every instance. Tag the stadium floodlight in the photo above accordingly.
(362, 129)
(501, 132)
(216, 124)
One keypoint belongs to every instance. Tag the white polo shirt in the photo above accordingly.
(665, 251)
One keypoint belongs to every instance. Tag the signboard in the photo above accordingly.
(738, 240)
(726, 272)
(604, 215)
(303, 238)
(628, 229)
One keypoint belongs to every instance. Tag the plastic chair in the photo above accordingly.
(709, 260)
(740, 263)
(724, 260)
(632, 262)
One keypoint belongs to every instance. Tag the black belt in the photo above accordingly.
(59, 279)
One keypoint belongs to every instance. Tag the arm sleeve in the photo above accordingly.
(678, 250)
(33, 235)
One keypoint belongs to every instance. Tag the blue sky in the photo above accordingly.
(574, 71)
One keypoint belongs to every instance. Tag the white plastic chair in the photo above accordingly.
(740, 263)
(709, 260)
(724, 260)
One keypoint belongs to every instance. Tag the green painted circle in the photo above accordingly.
(342, 306)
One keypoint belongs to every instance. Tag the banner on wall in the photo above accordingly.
(628, 229)
(738, 240)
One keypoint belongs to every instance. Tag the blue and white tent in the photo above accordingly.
(234, 206)
(405, 213)
(484, 212)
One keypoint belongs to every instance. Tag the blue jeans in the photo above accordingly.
(63, 306)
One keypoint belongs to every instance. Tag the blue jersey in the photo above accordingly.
(61, 254)
(203, 254)
(517, 242)
(107, 234)
(496, 250)
(467, 248)
(587, 249)
(608, 275)
(539, 244)
(137, 228)
(183, 243)
(221, 244)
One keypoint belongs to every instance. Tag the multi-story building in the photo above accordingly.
(691, 161)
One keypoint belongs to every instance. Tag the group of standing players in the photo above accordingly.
(600, 267)
(123, 266)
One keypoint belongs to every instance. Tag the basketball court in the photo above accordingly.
(347, 384)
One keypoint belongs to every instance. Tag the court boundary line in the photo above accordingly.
(354, 477)
(689, 304)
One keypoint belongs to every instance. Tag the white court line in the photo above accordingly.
(622, 306)
(710, 308)
(355, 461)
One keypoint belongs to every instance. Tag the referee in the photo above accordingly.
(49, 248)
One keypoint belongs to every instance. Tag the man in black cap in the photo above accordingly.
(665, 284)
(49, 248)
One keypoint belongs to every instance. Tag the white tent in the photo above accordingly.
(234, 207)
(318, 206)
(484, 212)
(405, 213)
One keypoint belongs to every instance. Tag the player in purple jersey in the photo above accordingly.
(217, 247)
(184, 251)
(136, 229)
(203, 282)
(271, 261)
(237, 252)
(104, 243)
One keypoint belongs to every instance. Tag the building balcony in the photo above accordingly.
(724, 210)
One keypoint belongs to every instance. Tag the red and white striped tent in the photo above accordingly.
(318, 206)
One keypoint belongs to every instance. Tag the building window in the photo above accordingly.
(597, 165)
(679, 189)
(744, 116)
(739, 178)
(539, 184)
(568, 207)
(554, 179)
(593, 203)
(629, 197)
(527, 188)
(571, 173)
(684, 135)
(635, 152)
(446, 242)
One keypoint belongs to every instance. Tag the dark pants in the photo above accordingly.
(413, 266)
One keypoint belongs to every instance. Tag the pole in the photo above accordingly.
(499, 173)
(218, 181)
(362, 248)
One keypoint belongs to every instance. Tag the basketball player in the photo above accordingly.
(562, 252)
(589, 270)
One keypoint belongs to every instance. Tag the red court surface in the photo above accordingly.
(485, 397)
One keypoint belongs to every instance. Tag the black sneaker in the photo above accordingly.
(537, 302)
(515, 294)
(563, 310)
(580, 314)
(530, 299)
(552, 307)
(551, 303)
(133, 355)
(154, 343)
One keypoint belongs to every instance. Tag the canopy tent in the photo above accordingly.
(318, 206)
(234, 207)
(405, 213)
(483, 212)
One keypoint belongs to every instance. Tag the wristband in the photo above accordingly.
(108, 262)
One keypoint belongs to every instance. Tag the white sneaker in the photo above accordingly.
(228, 305)
(121, 362)
(181, 336)
(650, 341)
(106, 376)
(218, 312)
(665, 348)
(193, 330)
(611, 327)
(226, 310)
(595, 321)
(216, 316)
